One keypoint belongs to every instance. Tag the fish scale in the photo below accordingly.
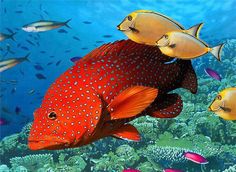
(80, 95)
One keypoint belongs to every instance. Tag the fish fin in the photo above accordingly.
(172, 45)
(167, 106)
(66, 23)
(131, 102)
(172, 61)
(189, 81)
(127, 132)
(216, 51)
(12, 36)
(26, 57)
(195, 30)
(133, 29)
(225, 109)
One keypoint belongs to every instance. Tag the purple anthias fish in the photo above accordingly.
(199, 159)
(3, 121)
(212, 73)
(172, 170)
(131, 170)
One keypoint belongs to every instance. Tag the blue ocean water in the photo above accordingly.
(94, 23)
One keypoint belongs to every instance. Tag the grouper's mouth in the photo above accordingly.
(47, 144)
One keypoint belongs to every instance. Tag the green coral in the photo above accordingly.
(127, 154)
(108, 162)
(25, 132)
(148, 167)
(4, 168)
(231, 169)
(166, 154)
(124, 156)
(32, 162)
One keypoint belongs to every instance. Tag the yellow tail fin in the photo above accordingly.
(195, 30)
(216, 51)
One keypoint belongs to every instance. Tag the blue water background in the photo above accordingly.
(218, 17)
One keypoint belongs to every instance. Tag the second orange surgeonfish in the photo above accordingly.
(111, 86)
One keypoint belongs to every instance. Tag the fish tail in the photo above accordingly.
(195, 30)
(66, 23)
(216, 51)
(26, 57)
(12, 36)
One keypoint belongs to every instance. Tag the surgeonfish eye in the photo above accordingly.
(166, 36)
(52, 115)
(219, 97)
(129, 18)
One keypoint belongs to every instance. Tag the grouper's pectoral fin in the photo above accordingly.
(131, 102)
(127, 132)
(167, 106)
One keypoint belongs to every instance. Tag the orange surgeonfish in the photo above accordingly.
(105, 90)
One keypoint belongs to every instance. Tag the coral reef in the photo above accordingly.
(4, 168)
(31, 162)
(230, 169)
(163, 140)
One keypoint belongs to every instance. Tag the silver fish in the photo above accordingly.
(44, 25)
(9, 63)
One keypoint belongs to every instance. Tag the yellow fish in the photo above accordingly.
(185, 46)
(224, 105)
(145, 27)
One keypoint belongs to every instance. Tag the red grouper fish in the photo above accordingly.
(106, 89)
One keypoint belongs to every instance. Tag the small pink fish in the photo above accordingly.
(3, 121)
(131, 170)
(172, 170)
(212, 73)
(195, 157)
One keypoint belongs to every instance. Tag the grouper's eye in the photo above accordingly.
(52, 115)
(129, 18)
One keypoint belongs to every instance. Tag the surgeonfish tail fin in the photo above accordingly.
(216, 51)
(195, 30)
(12, 36)
(66, 23)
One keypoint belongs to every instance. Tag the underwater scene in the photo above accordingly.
(117, 86)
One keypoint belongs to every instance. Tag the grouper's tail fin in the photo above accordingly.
(189, 81)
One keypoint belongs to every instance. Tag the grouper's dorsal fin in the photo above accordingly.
(189, 81)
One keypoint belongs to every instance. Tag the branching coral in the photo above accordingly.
(230, 169)
(32, 162)
(25, 132)
(165, 155)
(4, 168)
(125, 156)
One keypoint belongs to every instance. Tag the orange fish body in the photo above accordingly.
(106, 89)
